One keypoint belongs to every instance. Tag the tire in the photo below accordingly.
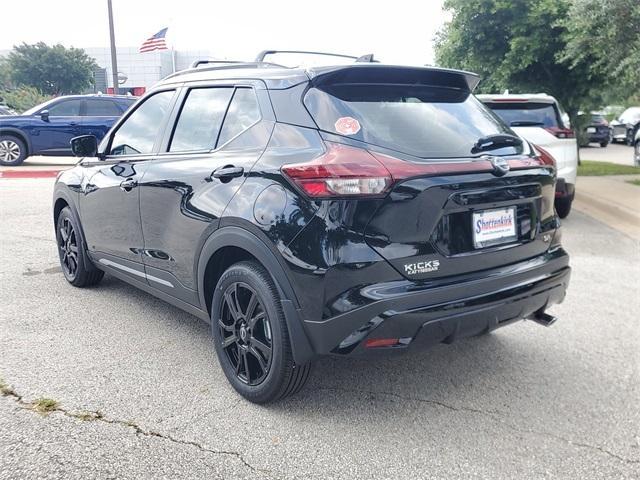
(563, 206)
(13, 151)
(604, 144)
(71, 247)
(254, 352)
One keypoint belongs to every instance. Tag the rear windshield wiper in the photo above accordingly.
(494, 142)
(526, 123)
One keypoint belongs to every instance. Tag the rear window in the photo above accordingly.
(529, 114)
(424, 121)
(102, 108)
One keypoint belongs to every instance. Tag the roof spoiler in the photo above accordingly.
(400, 75)
(368, 58)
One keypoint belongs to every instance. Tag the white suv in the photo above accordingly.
(539, 119)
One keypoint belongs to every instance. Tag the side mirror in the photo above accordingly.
(84, 146)
(44, 115)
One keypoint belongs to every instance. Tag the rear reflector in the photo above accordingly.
(561, 132)
(381, 342)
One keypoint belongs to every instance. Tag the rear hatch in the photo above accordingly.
(447, 208)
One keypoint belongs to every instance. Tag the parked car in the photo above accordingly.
(336, 210)
(4, 110)
(636, 149)
(597, 130)
(539, 119)
(48, 128)
(625, 127)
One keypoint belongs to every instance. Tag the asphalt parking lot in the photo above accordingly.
(141, 395)
(614, 153)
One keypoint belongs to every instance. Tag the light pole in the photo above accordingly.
(114, 62)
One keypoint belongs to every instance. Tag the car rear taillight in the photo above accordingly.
(341, 171)
(346, 171)
(544, 156)
(561, 132)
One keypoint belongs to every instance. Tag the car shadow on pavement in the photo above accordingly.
(487, 373)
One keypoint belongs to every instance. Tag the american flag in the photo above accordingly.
(157, 42)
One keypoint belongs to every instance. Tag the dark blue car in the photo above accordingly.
(48, 128)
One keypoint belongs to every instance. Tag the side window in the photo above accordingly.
(102, 108)
(200, 119)
(139, 131)
(66, 108)
(243, 112)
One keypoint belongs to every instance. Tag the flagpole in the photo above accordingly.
(112, 38)
(173, 59)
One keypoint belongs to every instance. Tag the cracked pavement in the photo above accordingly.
(140, 394)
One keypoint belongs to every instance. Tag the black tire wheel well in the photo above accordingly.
(57, 208)
(218, 263)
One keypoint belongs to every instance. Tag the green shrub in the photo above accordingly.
(23, 98)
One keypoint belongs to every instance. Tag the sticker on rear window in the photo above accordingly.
(347, 126)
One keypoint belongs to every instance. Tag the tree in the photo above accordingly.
(53, 70)
(605, 34)
(5, 73)
(516, 45)
(22, 98)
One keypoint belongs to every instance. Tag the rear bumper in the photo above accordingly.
(598, 137)
(432, 313)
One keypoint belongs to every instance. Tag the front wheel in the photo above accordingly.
(603, 144)
(251, 336)
(70, 250)
(13, 151)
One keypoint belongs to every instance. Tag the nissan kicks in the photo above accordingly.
(335, 210)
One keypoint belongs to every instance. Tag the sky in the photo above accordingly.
(397, 31)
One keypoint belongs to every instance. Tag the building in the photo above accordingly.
(142, 70)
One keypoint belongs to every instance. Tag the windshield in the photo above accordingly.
(424, 121)
(35, 109)
(520, 114)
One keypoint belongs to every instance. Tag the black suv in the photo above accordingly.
(305, 212)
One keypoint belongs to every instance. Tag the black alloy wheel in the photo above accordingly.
(68, 247)
(251, 336)
(78, 270)
(246, 333)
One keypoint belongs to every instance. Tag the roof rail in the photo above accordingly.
(197, 63)
(363, 58)
(219, 65)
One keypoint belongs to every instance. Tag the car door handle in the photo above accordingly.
(128, 184)
(228, 172)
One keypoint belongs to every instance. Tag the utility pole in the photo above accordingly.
(114, 61)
